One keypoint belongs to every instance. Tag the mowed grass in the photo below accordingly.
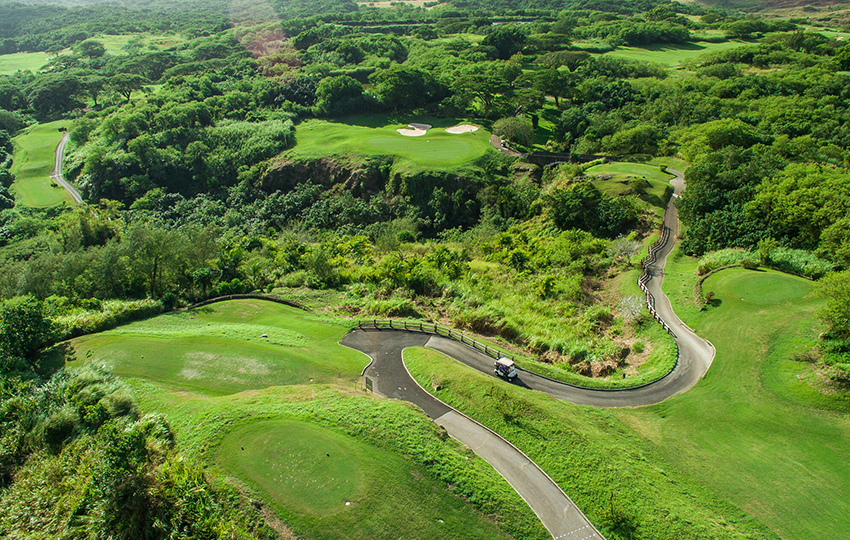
(114, 44)
(309, 468)
(607, 470)
(622, 173)
(378, 136)
(745, 431)
(11, 63)
(33, 162)
(335, 486)
(672, 56)
(220, 348)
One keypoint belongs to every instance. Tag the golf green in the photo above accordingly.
(299, 465)
(226, 347)
(435, 150)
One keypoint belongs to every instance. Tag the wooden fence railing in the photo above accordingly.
(645, 276)
(434, 328)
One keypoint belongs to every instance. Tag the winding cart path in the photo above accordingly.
(556, 511)
(56, 175)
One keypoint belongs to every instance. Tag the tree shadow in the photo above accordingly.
(55, 358)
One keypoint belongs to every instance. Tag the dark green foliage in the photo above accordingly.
(339, 95)
(582, 206)
(507, 40)
(24, 327)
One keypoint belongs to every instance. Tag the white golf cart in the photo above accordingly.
(505, 368)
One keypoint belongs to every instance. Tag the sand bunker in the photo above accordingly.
(416, 130)
(463, 128)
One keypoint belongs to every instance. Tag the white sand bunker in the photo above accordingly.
(416, 130)
(463, 128)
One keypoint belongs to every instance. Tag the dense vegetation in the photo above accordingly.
(187, 149)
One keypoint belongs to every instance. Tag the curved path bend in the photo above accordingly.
(556, 511)
(56, 175)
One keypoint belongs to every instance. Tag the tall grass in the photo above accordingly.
(111, 314)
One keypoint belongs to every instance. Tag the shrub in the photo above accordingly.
(638, 347)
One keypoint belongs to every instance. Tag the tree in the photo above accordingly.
(507, 41)
(126, 83)
(24, 327)
(90, 48)
(405, 88)
(624, 247)
(835, 289)
(553, 82)
(339, 95)
(514, 129)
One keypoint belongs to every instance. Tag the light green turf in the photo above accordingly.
(33, 163)
(219, 349)
(114, 44)
(623, 172)
(598, 461)
(377, 135)
(11, 63)
(303, 466)
(744, 431)
(672, 55)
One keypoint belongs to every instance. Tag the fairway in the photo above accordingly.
(11, 63)
(671, 56)
(221, 348)
(623, 172)
(741, 432)
(434, 150)
(33, 162)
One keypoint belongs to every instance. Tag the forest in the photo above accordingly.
(201, 179)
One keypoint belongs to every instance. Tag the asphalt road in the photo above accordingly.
(555, 510)
(56, 175)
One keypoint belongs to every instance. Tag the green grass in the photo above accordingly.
(376, 135)
(386, 458)
(596, 459)
(622, 173)
(11, 63)
(671, 56)
(220, 349)
(33, 163)
(309, 468)
(752, 431)
(114, 44)
(344, 487)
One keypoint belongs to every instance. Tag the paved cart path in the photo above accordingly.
(56, 175)
(554, 508)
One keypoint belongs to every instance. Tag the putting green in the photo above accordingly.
(435, 150)
(226, 347)
(302, 466)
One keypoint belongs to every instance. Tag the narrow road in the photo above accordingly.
(554, 508)
(56, 175)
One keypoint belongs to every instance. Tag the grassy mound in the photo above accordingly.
(220, 348)
(377, 135)
(604, 467)
(616, 179)
(33, 163)
(309, 468)
(753, 431)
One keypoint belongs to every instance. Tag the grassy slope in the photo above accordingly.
(623, 172)
(376, 135)
(403, 460)
(671, 55)
(598, 461)
(219, 348)
(33, 163)
(782, 462)
(10, 63)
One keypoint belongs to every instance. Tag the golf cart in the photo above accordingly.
(505, 368)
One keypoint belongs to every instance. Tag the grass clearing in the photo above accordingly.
(377, 135)
(12, 63)
(386, 458)
(672, 56)
(219, 349)
(615, 178)
(608, 471)
(115, 44)
(749, 431)
(33, 156)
